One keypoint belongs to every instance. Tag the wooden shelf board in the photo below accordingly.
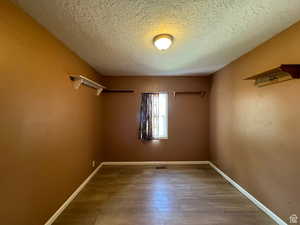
(292, 69)
(282, 73)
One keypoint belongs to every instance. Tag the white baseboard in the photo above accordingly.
(76, 192)
(151, 163)
(72, 196)
(273, 216)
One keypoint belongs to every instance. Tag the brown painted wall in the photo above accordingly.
(255, 132)
(188, 120)
(49, 133)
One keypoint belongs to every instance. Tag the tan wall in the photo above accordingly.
(49, 133)
(255, 132)
(188, 120)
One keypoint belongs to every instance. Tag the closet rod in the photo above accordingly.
(118, 91)
(201, 93)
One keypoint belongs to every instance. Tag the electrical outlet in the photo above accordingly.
(93, 163)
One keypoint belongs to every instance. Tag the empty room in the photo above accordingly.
(149, 112)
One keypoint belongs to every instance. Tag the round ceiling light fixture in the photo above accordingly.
(163, 41)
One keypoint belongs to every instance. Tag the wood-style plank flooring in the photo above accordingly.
(145, 195)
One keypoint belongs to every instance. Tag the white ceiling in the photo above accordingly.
(115, 36)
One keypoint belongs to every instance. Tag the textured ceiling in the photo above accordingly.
(115, 36)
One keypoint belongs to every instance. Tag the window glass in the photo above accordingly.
(160, 116)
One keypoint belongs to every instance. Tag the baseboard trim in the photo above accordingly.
(72, 196)
(261, 206)
(153, 163)
(267, 211)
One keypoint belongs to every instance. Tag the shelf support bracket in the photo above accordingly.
(99, 90)
(79, 80)
(77, 83)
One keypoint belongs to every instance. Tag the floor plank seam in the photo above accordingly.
(72, 196)
(262, 207)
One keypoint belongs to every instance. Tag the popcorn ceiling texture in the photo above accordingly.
(115, 36)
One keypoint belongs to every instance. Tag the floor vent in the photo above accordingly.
(160, 167)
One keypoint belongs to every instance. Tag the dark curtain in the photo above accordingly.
(146, 116)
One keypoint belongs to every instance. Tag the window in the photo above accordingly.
(160, 126)
(154, 116)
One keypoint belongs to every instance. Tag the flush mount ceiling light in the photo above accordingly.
(163, 41)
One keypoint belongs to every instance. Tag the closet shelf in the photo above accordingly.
(201, 93)
(282, 73)
(79, 80)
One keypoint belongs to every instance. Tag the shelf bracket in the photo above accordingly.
(281, 73)
(78, 80)
(99, 90)
(77, 84)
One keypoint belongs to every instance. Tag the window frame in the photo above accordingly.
(167, 114)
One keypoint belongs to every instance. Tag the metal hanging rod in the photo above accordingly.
(79, 80)
(201, 93)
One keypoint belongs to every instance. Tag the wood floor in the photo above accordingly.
(146, 195)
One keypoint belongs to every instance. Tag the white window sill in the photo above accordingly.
(160, 138)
